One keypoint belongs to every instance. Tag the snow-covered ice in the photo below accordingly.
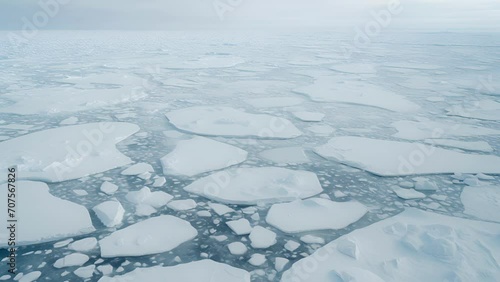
(421, 130)
(393, 158)
(199, 271)
(108, 188)
(391, 249)
(182, 205)
(110, 213)
(199, 155)
(240, 226)
(309, 116)
(67, 152)
(225, 121)
(83, 245)
(237, 248)
(251, 186)
(262, 238)
(74, 259)
(482, 202)
(480, 146)
(484, 110)
(314, 214)
(407, 194)
(44, 217)
(151, 236)
(138, 169)
(272, 102)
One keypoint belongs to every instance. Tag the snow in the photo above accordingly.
(32, 276)
(392, 158)
(55, 100)
(257, 259)
(480, 146)
(75, 259)
(205, 62)
(251, 186)
(391, 249)
(407, 194)
(226, 121)
(68, 152)
(421, 130)
(240, 226)
(83, 245)
(85, 272)
(110, 213)
(273, 102)
(285, 155)
(182, 205)
(237, 248)
(357, 68)
(483, 110)
(151, 236)
(262, 238)
(108, 188)
(199, 155)
(314, 214)
(199, 271)
(137, 169)
(482, 202)
(220, 209)
(309, 116)
(44, 217)
(334, 89)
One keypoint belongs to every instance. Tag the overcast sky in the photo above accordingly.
(165, 14)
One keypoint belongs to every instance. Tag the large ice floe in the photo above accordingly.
(226, 121)
(199, 155)
(199, 271)
(483, 110)
(482, 202)
(424, 129)
(43, 217)
(151, 236)
(66, 99)
(251, 186)
(411, 246)
(333, 89)
(68, 152)
(314, 214)
(393, 158)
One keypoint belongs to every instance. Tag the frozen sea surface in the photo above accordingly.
(216, 128)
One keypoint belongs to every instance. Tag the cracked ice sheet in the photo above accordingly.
(67, 152)
(226, 121)
(199, 271)
(42, 216)
(392, 158)
(411, 246)
(252, 186)
(334, 89)
(66, 99)
(483, 110)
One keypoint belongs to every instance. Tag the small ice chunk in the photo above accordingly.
(105, 269)
(159, 181)
(108, 188)
(155, 199)
(240, 227)
(83, 245)
(407, 194)
(182, 205)
(203, 214)
(29, 277)
(424, 184)
(237, 248)
(75, 259)
(110, 213)
(220, 209)
(311, 239)
(280, 263)
(262, 238)
(291, 245)
(85, 272)
(137, 169)
(257, 259)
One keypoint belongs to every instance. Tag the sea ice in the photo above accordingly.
(225, 121)
(407, 194)
(314, 214)
(356, 68)
(482, 202)
(237, 248)
(240, 226)
(390, 249)
(29, 277)
(262, 238)
(199, 155)
(309, 116)
(75, 259)
(83, 245)
(480, 146)
(421, 130)
(182, 205)
(44, 217)
(286, 155)
(392, 158)
(151, 236)
(483, 110)
(110, 213)
(251, 186)
(332, 89)
(199, 271)
(273, 102)
(220, 209)
(257, 259)
(85, 272)
(108, 188)
(67, 152)
(138, 169)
